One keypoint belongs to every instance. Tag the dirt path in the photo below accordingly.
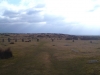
(45, 59)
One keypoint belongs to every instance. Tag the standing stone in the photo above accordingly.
(90, 41)
(22, 40)
(52, 40)
(9, 39)
(3, 40)
(37, 40)
(73, 40)
(15, 40)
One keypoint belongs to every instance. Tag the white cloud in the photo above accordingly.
(66, 16)
(75, 10)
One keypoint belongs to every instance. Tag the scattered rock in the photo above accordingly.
(5, 45)
(66, 45)
(75, 50)
(34, 45)
(53, 45)
(11, 42)
(98, 48)
(93, 61)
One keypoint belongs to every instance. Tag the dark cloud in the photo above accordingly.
(29, 16)
(4, 20)
(36, 17)
(38, 20)
(10, 13)
(30, 21)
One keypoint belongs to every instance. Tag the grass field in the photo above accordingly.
(61, 57)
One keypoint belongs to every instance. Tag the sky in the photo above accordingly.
(78, 17)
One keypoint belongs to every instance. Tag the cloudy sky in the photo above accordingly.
(79, 17)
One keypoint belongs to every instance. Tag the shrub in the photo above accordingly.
(53, 45)
(28, 41)
(5, 54)
(11, 42)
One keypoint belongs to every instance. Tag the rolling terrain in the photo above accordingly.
(50, 55)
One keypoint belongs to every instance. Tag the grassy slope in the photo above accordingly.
(42, 58)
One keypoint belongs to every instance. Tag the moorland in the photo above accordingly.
(50, 54)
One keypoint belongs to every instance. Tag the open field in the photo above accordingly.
(60, 57)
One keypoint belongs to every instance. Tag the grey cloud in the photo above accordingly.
(31, 11)
(4, 20)
(31, 18)
(7, 20)
(52, 19)
(10, 13)
(40, 6)
(12, 17)
(31, 22)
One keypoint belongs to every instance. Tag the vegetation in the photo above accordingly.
(5, 54)
(60, 57)
(11, 42)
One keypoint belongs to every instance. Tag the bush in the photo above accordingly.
(11, 42)
(5, 54)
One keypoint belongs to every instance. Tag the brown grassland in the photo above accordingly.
(60, 57)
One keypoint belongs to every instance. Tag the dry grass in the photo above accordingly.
(42, 58)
